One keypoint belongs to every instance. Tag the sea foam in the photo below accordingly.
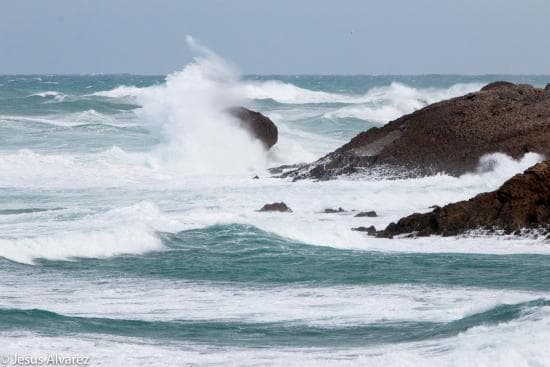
(123, 230)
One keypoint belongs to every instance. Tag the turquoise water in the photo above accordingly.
(263, 334)
(244, 254)
(129, 229)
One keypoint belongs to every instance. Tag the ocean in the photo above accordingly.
(129, 230)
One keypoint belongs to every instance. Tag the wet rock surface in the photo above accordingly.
(258, 125)
(449, 136)
(370, 214)
(276, 207)
(522, 202)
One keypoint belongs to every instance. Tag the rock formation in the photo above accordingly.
(258, 125)
(448, 136)
(370, 214)
(522, 202)
(276, 207)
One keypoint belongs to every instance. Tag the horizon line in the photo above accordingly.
(286, 74)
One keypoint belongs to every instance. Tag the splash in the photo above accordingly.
(189, 114)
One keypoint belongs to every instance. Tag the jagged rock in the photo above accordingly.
(370, 213)
(275, 207)
(331, 211)
(522, 202)
(258, 125)
(371, 230)
(449, 136)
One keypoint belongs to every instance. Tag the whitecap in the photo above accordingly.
(57, 96)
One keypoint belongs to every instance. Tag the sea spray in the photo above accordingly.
(190, 113)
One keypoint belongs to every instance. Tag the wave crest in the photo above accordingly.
(53, 95)
(125, 230)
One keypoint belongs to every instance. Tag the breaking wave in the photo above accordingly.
(382, 104)
(379, 104)
(53, 95)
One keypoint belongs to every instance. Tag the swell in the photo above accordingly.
(26, 211)
(59, 126)
(243, 253)
(242, 333)
(32, 106)
(68, 135)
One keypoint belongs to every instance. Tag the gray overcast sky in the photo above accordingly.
(278, 36)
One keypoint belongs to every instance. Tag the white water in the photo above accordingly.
(329, 306)
(380, 104)
(177, 203)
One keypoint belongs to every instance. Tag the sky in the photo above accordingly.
(277, 36)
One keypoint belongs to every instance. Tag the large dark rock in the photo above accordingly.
(448, 136)
(258, 125)
(276, 207)
(521, 202)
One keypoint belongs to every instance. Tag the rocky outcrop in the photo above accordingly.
(370, 214)
(449, 136)
(522, 202)
(258, 125)
(276, 207)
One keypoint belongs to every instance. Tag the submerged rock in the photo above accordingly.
(331, 211)
(258, 125)
(371, 230)
(449, 136)
(370, 214)
(276, 207)
(522, 202)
